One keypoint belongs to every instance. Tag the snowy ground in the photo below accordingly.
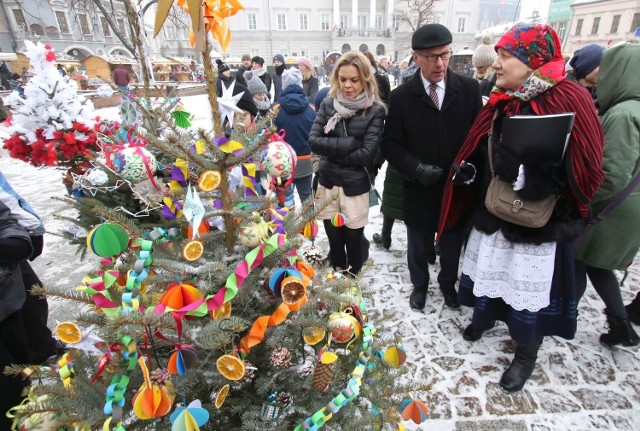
(577, 384)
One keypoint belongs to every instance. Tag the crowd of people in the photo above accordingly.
(441, 134)
(444, 138)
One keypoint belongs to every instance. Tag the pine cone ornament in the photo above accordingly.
(160, 375)
(305, 370)
(280, 358)
(322, 377)
(313, 255)
(249, 375)
(285, 399)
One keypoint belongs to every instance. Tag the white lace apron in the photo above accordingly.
(520, 274)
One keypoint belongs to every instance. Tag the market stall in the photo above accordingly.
(165, 69)
(185, 68)
(101, 66)
(71, 64)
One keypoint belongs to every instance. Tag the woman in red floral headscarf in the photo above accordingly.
(525, 276)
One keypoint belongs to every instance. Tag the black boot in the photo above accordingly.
(633, 310)
(419, 296)
(521, 368)
(620, 332)
(471, 333)
(337, 251)
(384, 237)
(450, 297)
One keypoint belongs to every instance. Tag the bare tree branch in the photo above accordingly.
(417, 12)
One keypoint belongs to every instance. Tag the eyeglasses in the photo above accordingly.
(432, 58)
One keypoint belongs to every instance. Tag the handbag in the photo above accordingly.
(505, 203)
(374, 197)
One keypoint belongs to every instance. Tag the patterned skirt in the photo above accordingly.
(558, 318)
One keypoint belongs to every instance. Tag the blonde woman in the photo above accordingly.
(346, 135)
(309, 78)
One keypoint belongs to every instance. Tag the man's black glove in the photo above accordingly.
(463, 174)
(38, 244)
(428, 175)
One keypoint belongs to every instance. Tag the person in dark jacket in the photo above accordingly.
(382, 79)
(15, 246)
(346, 135)
(278, 63)
(245, 66)
(224, 76)
(309, 78)
(429, 117)
(260, 70)
(259, 94)
(296, 116)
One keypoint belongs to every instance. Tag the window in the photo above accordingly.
(121, 27)
(303, 21)
(635, 22)
(19, 16)
(362, 22)
(462, 21)
(304, 53)
(106, 29)
(171, 32)
(344, 21)
(596, 25)
(561, 29)
(84, 23)
(282, 21)
(397, 20)
(378, 22)
(579, 26)
(62, 22)
(615, 23)
(252, 23)
(325, 20)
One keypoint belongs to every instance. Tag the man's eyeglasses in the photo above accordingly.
(432, 58)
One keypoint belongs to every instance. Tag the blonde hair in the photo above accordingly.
(308, 73)
(363, 65)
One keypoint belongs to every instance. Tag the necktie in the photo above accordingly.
(434, 95)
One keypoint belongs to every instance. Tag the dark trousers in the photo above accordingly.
(420, 247)
(35, 313)
(13, 350)
(303, 186)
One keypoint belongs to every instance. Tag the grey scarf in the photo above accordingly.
(347, 108)
(260, 72)
(262, 105)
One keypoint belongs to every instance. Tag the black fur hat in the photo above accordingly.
(222, 67)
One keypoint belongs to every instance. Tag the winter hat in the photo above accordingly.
(279, 57)
(258, 59)
(532, 44)
(430, 36)
(246, 101)
(586, 59)
(222, 67)
(306, 62)
(485, 54)
(254, 83)
(246, 57)
(291, 77)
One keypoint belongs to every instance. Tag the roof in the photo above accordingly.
(117, 59)
(8, 56)
(61, 57)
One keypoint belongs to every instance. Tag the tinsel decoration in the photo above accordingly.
(322, 376)
(280, 358)
(313, 255)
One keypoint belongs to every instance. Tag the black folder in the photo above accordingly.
(537, 137)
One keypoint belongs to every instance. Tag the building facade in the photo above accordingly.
(603, 22)
(560, 13)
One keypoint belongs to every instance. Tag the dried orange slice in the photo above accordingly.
(292, 290)
(69, 332)
(221, 396)
(209, 180)
(312, 335)
(231, 367)
(192, 250)
(222, 312)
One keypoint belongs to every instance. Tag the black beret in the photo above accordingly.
(431, 35)
(258, 59)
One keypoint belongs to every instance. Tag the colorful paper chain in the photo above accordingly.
(130, 303)
(348, 394)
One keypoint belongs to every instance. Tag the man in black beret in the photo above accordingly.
(429, 117)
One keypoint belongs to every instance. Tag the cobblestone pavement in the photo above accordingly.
(577, 384)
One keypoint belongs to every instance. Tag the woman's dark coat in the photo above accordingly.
(347, 149)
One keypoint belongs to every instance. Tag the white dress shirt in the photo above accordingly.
(439, 89)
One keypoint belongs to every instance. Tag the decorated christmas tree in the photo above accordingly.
(208, 307)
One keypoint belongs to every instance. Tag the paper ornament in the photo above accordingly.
(338, 220)
(278, 275)
(252, 233)
(343, 327)
(153, 400)
(189, 418)
(182, 359)
(395, 356)
(135, 164)
(310, 230)
(179, 295)
(107, 240)
(415, 410)
(181, 118)
(278, 159)
(193, 209)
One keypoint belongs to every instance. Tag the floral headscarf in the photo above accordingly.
(538, 46)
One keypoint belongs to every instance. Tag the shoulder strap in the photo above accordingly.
(617, 200)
